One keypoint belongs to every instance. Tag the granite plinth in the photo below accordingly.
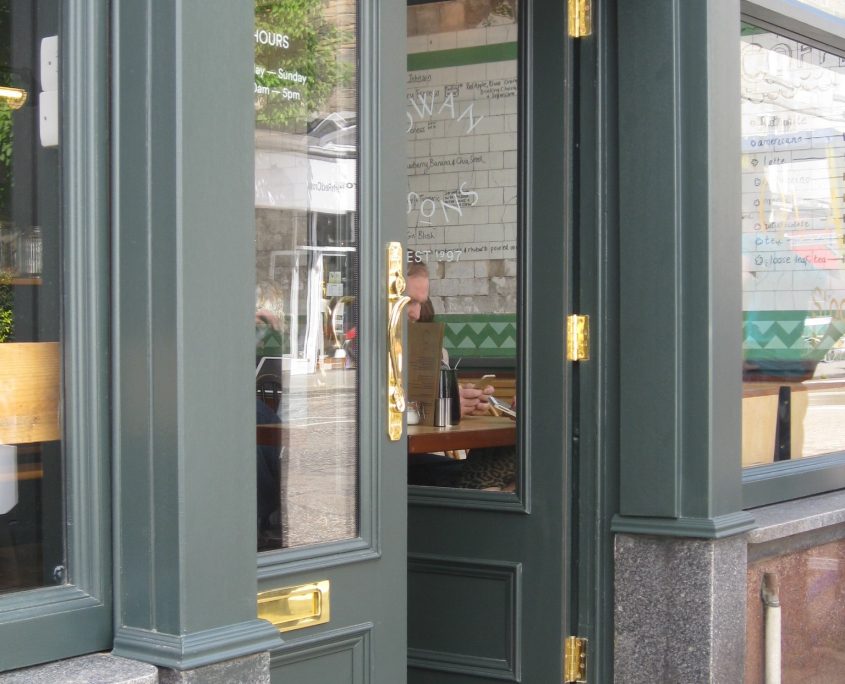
(680, 609)
(254, 669)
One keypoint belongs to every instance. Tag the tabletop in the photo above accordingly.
(473, 432)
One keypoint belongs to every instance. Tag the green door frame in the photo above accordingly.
(183, 297)
(678, 247)
(657, 409)
(595, 403)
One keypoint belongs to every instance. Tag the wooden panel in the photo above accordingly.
(337, 657)
(464, 616)
(30, 392)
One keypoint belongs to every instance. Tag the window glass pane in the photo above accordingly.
(306, 193)
(793, 248)
(461, 122)
(834, 7)
(31, 491)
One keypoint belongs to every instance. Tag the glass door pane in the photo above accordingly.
(306, 258)
(462, 125)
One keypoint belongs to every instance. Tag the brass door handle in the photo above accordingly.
(396, 303)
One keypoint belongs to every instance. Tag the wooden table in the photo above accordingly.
(473, 432)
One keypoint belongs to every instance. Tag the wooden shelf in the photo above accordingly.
(24, 281)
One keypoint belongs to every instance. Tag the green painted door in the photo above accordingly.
(329, 197)
(488, 175)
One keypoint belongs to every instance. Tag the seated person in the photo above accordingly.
(489, 468)
(420, 309)
(492, 468)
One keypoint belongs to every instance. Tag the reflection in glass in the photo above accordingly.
(793, 248)
(32, 550)
(306, 192)
(834, 7)
(811, 595)
(461, 124)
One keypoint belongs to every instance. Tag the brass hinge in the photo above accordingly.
(575, 660)
(580, 14)
(577, 338)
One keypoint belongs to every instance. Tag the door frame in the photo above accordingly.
(595, 404)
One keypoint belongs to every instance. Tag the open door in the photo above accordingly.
(488, 159)
(329, 189)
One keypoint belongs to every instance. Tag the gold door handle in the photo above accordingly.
(396, 303)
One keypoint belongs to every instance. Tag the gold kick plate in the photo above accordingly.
(575, 660)
(577, 338)
(580, 13)
(396, 302)
(304, 605)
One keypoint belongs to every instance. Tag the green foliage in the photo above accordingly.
(7, 315)
(505, 9)
(314, 45)
(5, 135)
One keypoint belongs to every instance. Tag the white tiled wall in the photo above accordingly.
(462, 140)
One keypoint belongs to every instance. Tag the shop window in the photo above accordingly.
(793, 253)
(32, 552)
(54, 508)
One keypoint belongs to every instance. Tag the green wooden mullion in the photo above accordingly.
(680, 327)
(184, 291)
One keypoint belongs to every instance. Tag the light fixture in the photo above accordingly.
(15, 97)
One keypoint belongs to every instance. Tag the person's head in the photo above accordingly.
(416, 287)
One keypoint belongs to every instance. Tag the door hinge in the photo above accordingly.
(577, 338)
(580, 13)
(575, 660)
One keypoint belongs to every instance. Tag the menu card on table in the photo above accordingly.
(425, 344)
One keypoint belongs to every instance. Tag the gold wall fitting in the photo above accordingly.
(577, 338)
(290, 608)
(396, 303)
(580, 13)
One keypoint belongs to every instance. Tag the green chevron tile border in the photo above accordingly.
(789, 335)
(479, 335)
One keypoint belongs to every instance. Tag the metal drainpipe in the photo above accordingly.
(771, 602)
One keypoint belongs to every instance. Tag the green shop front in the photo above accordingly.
(240, 243)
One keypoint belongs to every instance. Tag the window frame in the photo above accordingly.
(786, 480)
(50, 623)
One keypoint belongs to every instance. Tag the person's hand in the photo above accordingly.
(474, 401)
